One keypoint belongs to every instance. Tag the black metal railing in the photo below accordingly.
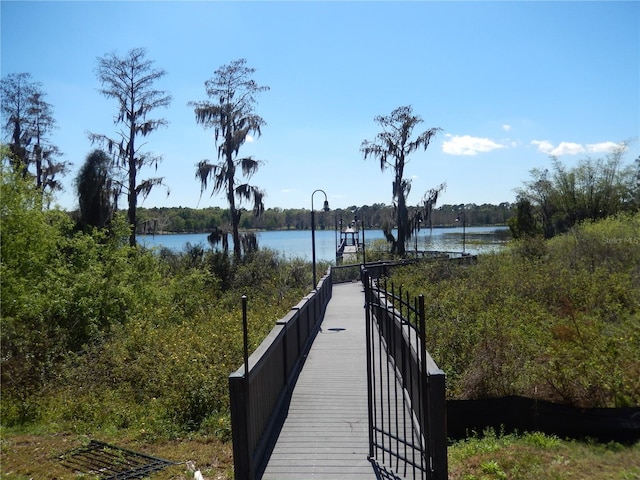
(260, 389)
(407, 410)
(346, 273)
(384, 268)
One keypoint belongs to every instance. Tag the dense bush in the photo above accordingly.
(97, 335)
(557, 319)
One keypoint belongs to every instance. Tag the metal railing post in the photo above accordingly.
(367, 296)
(239, 405)
(438, 426)
(245, 336)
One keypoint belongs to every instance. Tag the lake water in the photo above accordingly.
(297, 243)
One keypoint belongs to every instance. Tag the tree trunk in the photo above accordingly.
(133, 196)
(237, 247)
(403, 224)
(231, 198)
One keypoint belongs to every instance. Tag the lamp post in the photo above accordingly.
(355, 227)
(339, 240)
(325, 207)
(356, 238)
(364, 255)
(464, 225)
(336, 232)
(358, 245)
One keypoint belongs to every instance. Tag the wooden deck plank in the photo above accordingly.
(325, 434)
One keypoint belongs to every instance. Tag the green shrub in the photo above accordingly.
(561, 324)
(97, 335)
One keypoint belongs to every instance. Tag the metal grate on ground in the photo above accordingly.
(112, 463)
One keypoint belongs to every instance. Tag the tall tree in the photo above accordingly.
(43, 154)
(230, 112)
(523, 224)
(96, 190)
(392, 147)
(591, 190)
(130, 80)
(28, 123)
(17, 90)
(541, 193)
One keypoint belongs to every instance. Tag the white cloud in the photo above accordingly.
(506, 128)
(468, 145)
(605, 147)
(570, 148)
(543, 145)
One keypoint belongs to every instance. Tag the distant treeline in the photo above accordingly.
(191, 220)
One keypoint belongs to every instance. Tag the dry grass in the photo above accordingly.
(38, 457)
(528, 457)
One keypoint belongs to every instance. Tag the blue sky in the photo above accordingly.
(509, 83)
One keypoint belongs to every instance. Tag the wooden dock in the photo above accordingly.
(325, 433)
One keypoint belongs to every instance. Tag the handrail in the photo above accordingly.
(383, 268)
(401, 323)
(260, 395)
(259, 398)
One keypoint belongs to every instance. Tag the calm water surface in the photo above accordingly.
(297, 243)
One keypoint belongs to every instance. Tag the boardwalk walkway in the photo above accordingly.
(325, 434)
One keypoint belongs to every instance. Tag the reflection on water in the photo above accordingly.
(297, 243)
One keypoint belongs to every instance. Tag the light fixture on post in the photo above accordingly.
(325, 207)
(464, 226)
